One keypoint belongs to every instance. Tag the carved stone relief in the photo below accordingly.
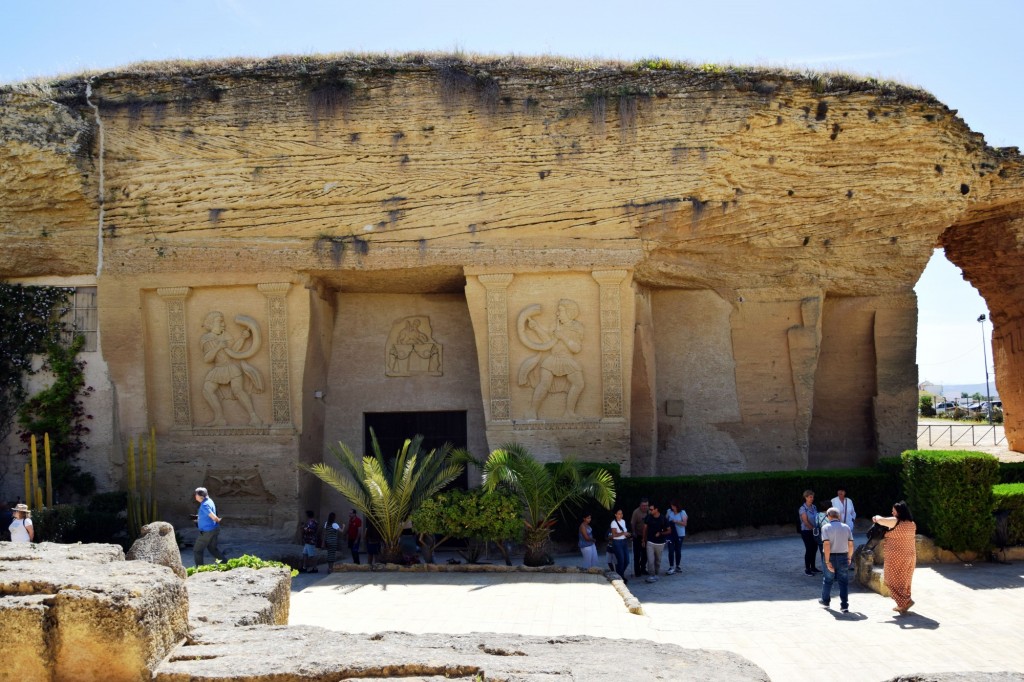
(277, 336)
(174, 299)
(411, 349)
(240, 495)
(611, 342)
(497, 345)
(228, 374)
(231, 377)
(552, 368)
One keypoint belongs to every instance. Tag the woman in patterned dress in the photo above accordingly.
(900, 554)
(330, 540)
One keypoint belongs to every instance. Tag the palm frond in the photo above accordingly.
(343, 483)
(543, 490)
(385, 490)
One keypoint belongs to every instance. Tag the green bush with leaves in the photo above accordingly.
(56, 524)
(1009, 497)
(244, 561)
(950, 495)
(474, 515)
(67, 523)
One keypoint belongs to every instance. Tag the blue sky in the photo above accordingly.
(968, 54)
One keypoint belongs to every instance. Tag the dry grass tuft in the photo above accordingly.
(460, 73)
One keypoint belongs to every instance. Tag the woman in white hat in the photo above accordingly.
(21, 527)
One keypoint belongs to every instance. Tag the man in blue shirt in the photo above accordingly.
(209, 528)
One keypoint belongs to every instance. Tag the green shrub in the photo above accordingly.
(244, 561)
(1011, 472)
(471, 515)
(722, 501)
(96, 526)
(1010, 497)
(950, 495)
(68, 523)
(109, 503)
(56, 523)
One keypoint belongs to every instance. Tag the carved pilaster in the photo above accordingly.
(277, 334)
(611, 342)
(174, 299)
(497, 345)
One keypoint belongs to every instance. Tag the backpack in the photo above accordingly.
(822, 522)
(309, 532)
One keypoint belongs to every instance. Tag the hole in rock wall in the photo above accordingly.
(949, 336)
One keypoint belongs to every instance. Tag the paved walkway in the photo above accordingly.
(749, 597)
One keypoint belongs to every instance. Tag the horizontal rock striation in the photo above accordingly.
(792, 213)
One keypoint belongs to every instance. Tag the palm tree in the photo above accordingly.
(387, 492)
(543, 490)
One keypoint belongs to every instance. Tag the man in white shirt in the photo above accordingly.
(847, 514)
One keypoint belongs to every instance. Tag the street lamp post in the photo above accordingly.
(984, 357)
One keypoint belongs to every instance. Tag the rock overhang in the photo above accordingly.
(805, 180)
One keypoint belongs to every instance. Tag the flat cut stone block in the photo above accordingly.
(85, 613)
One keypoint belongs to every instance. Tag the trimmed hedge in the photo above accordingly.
(723, 501)
(1010, 497)
(1011, 472)
(950, 495)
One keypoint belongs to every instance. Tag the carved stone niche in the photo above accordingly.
(411, 349)
(240, 496)
(223, 365)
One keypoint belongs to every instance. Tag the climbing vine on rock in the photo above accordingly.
(31, 325)
(29, 316)
(59, 411)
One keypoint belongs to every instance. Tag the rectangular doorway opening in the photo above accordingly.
(437, 428)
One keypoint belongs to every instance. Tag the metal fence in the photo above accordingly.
(950, 435)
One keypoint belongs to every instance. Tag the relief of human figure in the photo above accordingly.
(227, 379)
(411, 350)
(554, 358)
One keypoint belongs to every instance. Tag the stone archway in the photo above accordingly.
(989, 248)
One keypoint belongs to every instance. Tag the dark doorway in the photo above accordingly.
(437, 428)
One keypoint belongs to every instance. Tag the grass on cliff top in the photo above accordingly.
(819, 82)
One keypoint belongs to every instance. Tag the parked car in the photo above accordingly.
(983, 408)
(945, 408)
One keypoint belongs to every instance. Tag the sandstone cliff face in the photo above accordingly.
(798, 211)
(711, 180)
(49, 210)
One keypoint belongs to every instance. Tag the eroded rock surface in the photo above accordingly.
(81, 612)
(157, 545)
(242, 596)
(313, 654)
